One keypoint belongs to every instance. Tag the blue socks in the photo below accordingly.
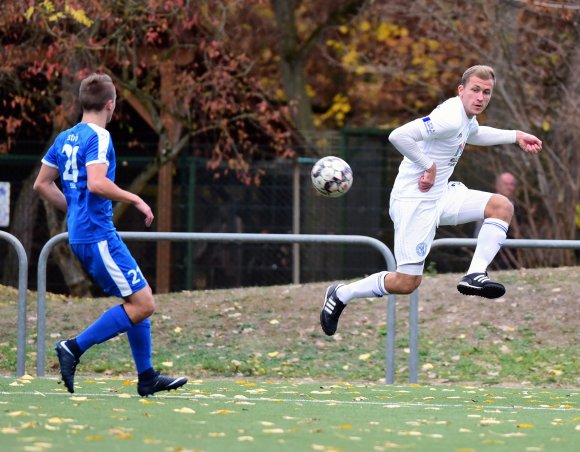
(112, 323)
(140, 340)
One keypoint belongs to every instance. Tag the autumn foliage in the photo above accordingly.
(209, 94)
(239, 81)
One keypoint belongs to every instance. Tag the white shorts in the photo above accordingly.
(416, 221)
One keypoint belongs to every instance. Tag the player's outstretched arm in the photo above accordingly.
(528, 142)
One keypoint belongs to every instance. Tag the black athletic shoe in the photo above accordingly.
(159, 383)
(68, 365)
(479, 284)
(331, 310)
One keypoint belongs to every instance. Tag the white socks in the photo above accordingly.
(489, 241)
(371, 286)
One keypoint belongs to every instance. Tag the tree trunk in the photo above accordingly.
(75, 277)
(168, 139)
(292, 66)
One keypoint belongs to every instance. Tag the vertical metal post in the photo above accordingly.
(296, 221)
(192, 166)
(41, 301)
(22, 286)
(390, 347)
(414, 336)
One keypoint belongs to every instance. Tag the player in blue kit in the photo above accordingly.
(84, 159)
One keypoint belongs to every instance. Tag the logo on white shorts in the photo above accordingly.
(421, 249)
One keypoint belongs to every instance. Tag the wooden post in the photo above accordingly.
(165, 179)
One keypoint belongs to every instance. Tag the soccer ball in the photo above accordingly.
(331, 176)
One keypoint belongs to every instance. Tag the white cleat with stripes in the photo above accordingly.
(480, 285)
(331, 310)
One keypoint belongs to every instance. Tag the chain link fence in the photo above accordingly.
(284, 202)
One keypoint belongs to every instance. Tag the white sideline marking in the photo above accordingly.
(313, 401)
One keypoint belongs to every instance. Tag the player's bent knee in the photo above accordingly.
(500, 207)
(409, 287)
(148, 307)
(403, 284)
(143, 302)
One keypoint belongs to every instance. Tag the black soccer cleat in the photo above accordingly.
(159, 383)
(68, 365)
(331, 310)
(480, 285)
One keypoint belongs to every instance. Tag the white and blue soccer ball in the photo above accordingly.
(331, 176)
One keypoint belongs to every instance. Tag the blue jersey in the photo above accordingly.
(89, 216)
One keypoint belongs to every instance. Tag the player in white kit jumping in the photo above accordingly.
(423, 197)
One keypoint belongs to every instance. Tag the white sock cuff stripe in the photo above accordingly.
(381, 281)
(497, 223)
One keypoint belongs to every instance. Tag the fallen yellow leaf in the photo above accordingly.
(493, 441)
(94, 438)
(273, 430)
(222, 412)
(525, 425)
(184, 410)
(58, 420)
(256, 391)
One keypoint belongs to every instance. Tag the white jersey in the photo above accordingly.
(445, 132)
(440, 138)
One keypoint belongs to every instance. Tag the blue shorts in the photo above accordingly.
(111, 266)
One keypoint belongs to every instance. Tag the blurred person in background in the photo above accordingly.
(505, 184)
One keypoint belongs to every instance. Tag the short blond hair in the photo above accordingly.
(481, 71)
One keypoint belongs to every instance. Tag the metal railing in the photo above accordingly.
(282, 238)
(22, 287)
(223, 237)
(440, 243)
